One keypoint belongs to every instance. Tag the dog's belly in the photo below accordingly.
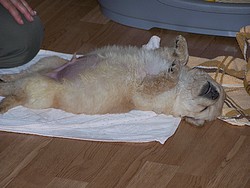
(72, 69)
(95, 100)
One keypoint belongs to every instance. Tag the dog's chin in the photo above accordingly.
(193, 121)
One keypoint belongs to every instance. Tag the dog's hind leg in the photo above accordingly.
(12, 98)
(44, 65)
(10, 101)
(6, 88)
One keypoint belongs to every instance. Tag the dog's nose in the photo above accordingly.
(209, 91)
(214, 94)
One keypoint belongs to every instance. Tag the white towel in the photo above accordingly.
(135, 126)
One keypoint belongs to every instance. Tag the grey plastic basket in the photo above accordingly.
(195, 16)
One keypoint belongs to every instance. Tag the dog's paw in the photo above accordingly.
(3, 110)
(181, 49)
(10, 102)
(3, 107)
(180, 44)
(172, 68)
(6, 78)
(173, 71)
(1, 80)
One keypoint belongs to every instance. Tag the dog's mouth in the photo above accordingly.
(194, 121)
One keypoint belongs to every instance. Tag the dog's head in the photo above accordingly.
(200, 98)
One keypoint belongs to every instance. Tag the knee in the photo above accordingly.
(31, 40)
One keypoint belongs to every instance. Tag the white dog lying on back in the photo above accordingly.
(117, 79)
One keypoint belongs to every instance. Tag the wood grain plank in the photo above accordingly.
(113, 33)
(138, 163)
(34, 3)
(203, 45)
(47, 10)
(17, 156)
(153, 175)
(61, 27)
(120, 163)
(95, 16)
(216, 155)
(234, 170)
(247, 184)
(179, 147)
(89, 3)
(74, 38)
(219, 138)
(6, 139)
(181, 180)
(58, 154)
(92, 158)
(66, 183)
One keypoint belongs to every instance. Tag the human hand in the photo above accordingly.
(15, 7)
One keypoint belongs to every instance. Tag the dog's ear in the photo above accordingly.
(166, 80)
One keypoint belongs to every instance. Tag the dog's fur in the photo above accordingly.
(117, 79)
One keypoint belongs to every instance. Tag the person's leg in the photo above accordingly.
(18, 43)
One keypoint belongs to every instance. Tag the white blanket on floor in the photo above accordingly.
(135, 126)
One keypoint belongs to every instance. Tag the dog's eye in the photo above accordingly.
(204, 109)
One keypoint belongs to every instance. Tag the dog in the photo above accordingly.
(117, 79)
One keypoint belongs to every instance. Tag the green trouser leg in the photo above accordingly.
(18, 43)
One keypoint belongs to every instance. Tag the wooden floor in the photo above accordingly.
(216, 155)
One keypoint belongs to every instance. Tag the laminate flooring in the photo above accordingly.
(216, 155)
